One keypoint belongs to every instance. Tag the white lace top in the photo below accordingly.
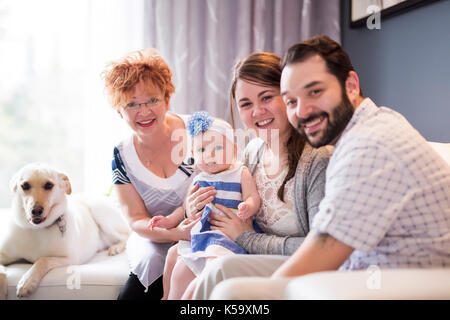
(275, 216)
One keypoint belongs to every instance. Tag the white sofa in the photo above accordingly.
(383, 284)
(103, 277)
(100, 279)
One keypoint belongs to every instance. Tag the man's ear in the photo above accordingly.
(352, 87)
(65, 183)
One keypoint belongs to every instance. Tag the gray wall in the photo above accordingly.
(406, 65)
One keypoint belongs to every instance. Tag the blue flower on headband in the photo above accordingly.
(199, 122)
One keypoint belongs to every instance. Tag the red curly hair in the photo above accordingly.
(144, 66)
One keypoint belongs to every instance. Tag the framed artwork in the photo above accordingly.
(360, 10)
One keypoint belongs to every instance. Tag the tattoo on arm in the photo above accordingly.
(324, 237)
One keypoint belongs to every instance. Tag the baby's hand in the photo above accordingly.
(157, 221)
(244, 210)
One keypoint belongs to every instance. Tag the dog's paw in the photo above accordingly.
(26, 286)
(117, 248)
(3, 286)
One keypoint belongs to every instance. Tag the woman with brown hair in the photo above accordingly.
(290, 176)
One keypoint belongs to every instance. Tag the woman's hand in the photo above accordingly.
(198, 198)
(230, 224)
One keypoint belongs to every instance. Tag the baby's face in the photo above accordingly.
(213, 153)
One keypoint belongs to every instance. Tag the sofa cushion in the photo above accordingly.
(372, 284)
(101, 279)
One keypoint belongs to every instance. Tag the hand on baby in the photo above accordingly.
(159, 221)
(244, 210)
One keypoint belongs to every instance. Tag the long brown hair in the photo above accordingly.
(263, 68)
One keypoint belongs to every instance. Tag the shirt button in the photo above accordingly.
(329, 209)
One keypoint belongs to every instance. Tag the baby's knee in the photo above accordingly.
(172, 254)
(173, 250)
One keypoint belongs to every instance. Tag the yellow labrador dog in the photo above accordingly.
(50, 229)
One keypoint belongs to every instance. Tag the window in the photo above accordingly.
(52, 104)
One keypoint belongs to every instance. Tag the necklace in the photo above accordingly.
(161, 147)
(139, 148)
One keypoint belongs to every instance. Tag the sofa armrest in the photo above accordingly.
(443, 149)
(372, 284)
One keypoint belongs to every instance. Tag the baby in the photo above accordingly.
(214, 152)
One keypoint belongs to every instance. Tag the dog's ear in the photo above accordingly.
(14, 181)
(66, 183)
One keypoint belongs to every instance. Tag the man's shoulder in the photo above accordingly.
(383, 128)
(382, 137)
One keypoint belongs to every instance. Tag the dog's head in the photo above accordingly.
(39, 194)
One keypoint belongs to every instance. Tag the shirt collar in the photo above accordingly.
(364, 111)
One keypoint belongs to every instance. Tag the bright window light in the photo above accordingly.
(52, 104)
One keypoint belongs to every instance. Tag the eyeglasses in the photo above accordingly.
(133, 106)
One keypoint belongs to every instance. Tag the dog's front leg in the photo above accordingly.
(3, 283)
(4, 260)
(31, 279)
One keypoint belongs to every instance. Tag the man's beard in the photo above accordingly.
(341, 116)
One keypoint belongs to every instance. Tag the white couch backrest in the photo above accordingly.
(443, 149)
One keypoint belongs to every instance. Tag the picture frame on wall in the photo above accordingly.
(360, 10)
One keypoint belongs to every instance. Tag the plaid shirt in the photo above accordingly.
(387, 194)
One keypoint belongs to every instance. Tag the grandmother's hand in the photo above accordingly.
(230, 224)
(198, 198)
(185, 226)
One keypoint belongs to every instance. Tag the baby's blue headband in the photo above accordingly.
(201, 121)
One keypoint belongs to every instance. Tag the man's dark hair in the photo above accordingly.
(336, 59)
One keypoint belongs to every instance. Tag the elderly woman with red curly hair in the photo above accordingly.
(149, 177)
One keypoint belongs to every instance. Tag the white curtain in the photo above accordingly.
(202, 40)
(52, 105)
(115, 28)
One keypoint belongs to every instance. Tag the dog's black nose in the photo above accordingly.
(37, 210)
